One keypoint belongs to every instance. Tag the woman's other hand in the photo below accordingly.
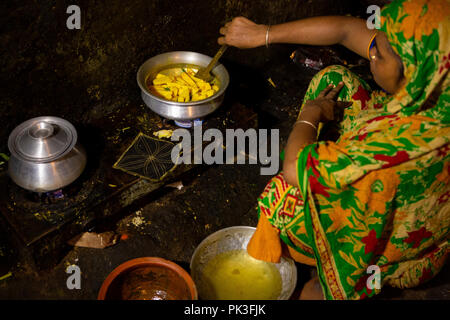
(243, 33)
(323, 108)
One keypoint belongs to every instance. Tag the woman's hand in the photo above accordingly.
(243, 33)
(323, 108)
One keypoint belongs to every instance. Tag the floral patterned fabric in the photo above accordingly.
(379, 195)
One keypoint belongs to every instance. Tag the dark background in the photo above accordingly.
(88, 76)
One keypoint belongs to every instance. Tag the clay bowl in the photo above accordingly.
(148, 279)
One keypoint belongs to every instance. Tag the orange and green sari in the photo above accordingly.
(378, 197)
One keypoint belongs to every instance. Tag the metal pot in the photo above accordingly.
(181, 110)
(45, 155)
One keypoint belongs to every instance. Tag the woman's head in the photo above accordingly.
(386, 66)
(414, 34)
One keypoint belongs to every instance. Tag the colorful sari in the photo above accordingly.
(374, 204)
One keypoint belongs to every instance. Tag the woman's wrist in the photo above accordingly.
(263, 35)
(311, 115)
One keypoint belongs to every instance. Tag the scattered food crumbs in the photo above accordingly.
(163, 133)
(271, 82)
(43, 215)
(137, 221)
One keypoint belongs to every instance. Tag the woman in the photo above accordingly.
(377, 198)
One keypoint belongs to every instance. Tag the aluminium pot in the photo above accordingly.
(45, 154)
(230, 239)
(181, 111)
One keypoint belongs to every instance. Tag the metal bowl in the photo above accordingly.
(181, 110)
(237, 238)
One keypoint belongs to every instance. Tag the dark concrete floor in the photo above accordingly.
(171, 223)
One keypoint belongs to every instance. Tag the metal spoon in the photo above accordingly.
(205, 73)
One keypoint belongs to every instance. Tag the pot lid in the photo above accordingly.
(42, 139)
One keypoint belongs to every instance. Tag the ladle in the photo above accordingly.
(205, 73)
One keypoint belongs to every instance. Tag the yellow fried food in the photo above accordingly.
(163, 133)
(184, 87)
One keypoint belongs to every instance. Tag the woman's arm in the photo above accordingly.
(314, 111)
(348, 31)
(301, 135)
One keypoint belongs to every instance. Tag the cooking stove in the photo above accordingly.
(188, 123)
(41, 223)
(50, 208)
